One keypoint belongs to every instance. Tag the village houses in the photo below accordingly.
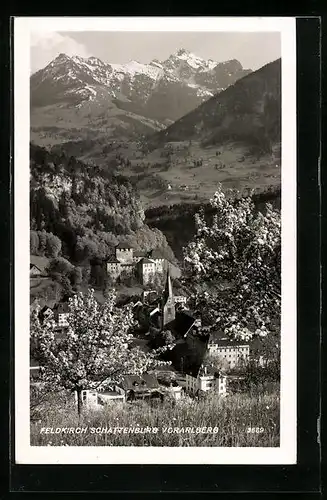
(162, 312)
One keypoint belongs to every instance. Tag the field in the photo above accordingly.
(190, 173)
(230, 419)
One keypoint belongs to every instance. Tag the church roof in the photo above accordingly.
(182, 324)
(168, 293)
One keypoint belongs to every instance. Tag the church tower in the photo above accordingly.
(168, 303)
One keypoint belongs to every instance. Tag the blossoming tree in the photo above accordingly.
(95, 350)
(233, 266)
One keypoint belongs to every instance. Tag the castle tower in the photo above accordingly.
(168, 303)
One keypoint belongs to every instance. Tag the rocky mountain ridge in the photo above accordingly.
(160, 90)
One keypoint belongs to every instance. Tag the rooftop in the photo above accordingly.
(156, 254)
(220, 338)
(113, 260)
(183, 322)
(40, 262)
(108, 393)
(203, 370)
(139, 253)
(145, 260)
(62, 307)
(137, 382)
(124, 246)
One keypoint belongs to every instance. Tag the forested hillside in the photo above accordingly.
(88, 209)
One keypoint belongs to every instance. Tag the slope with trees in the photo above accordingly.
(233, 265)
(96, 351)
(87, 208)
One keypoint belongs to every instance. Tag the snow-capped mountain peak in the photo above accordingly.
(195, 61)
(184, 74)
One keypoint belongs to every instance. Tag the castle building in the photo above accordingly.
(146, 270)
(124, 254)
(145, 265)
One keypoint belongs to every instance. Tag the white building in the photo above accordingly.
(175, 391)
(61, 314)
(206, 378)
(232, 352)
(147, 270)
(91, 398)
(124, 254)
(180, 299)
(147, 264)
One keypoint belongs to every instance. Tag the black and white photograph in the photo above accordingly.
(155, 193)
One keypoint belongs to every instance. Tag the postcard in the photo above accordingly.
(155, 240)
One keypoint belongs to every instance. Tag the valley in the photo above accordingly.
(103, 115)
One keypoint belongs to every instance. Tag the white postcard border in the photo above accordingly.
(26, 454)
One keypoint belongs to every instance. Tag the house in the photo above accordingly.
(205, 378)
(234, 352)
(38, 266)
(34, 370)
(114, 268)
(180, 297)
(138, 387)
(61, 314)
(92, 398)
(159, 260)
(45, 313)
(173, 389)
(149, 296)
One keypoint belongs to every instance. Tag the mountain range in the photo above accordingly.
(74, 98)
(173, 128)
(247, 112)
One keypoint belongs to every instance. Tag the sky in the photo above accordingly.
(253, 50)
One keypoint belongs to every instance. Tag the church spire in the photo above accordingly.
(168, 303)
(168, 293)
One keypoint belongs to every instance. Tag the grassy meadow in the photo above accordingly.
(230, 419)
(234, 167)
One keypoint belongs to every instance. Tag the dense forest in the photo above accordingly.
(81, 212)
(177, 221)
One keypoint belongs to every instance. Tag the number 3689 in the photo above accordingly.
(255, 430)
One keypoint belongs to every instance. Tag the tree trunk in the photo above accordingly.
(79, 403)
